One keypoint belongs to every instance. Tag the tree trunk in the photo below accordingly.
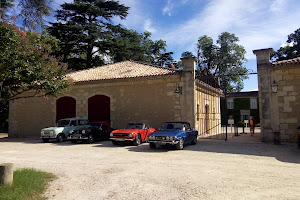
(6, 173)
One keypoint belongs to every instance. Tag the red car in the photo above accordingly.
(134, 132)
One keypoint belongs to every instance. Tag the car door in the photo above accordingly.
(189, 133)
(71, 126)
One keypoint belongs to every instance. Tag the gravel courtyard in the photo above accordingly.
(212, 169)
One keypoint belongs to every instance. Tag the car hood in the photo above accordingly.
(167, 133)
(52, 128)
(127, 131)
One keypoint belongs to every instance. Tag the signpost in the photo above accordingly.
(231, 122)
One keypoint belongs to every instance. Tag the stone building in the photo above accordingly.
(240, 106)
(279, 97)
(124, 92)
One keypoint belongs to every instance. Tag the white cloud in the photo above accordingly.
(135, 17)
(168, 8)
(251, 21)
(148, 26)
(278, 5)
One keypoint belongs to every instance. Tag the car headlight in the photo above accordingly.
(42, 132)
(151, 137)
(111, 134)
(51, 132)
(83, 131)
(130, 135)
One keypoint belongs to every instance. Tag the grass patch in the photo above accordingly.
(28, 184)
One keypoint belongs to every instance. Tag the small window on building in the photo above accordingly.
(253, 103)
(230, 104)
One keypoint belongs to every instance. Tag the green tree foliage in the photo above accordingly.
(224, 60)
(166, 59)
(128, 44)
(26, 65)
(32, 12)
(187, 54)
(291, 50)
(84, 29)
(4, 5)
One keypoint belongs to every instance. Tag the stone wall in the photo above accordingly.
(29, 115)
(279, 112)
(207, 99)
(150, 100)
(288, 100)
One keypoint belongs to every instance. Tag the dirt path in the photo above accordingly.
(208, 170)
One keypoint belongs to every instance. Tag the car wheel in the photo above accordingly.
(45, 139)
(115, 142)
(137, 140)
(90, 139)
(179, 146)
(152, 145)
(194, 140)
(74, 141)
(60, 138)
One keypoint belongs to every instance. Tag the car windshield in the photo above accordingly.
(172, 126)
(135, 126)
(63, 122)
(96, 124)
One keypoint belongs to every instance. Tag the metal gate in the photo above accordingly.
(212, 119)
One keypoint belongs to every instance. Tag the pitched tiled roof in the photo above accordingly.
(120, 70)
(287, 62)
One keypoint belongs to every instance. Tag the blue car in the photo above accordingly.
(176, 134)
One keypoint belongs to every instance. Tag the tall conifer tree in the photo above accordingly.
(84, 28)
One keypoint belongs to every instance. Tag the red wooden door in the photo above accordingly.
(65, 108)
(99, 108)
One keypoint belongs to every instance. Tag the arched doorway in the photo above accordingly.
(65, 108)
(99, 108)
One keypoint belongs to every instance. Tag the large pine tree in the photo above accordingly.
(84, 29)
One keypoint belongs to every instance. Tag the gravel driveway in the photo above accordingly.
(212, 169)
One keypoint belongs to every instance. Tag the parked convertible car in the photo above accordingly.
(62, 129)
(134, 132)
(177, 134)
(97, 131)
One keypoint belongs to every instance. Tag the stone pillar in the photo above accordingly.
(6, 173)
(268, 102)
(188, 107)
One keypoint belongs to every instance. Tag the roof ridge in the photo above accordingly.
(288, 61)
(152, 65)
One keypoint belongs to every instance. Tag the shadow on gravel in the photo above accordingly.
(288, 152)
(284, 152)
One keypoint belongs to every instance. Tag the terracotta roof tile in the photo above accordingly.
(120, 70)
(287, 62)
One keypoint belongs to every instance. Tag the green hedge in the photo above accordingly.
(239, 104)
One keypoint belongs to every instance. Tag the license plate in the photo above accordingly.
(119, 139)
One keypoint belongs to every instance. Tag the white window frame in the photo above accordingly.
(253, 103)
(230, 104)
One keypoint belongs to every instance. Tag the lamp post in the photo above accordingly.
(274, 87)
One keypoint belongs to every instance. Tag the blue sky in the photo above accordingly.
(257, 23)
